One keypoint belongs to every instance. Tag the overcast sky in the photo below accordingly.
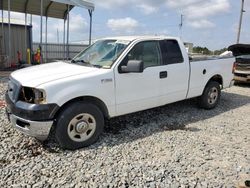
(210, 23)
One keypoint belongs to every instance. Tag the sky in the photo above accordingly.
(211, 23)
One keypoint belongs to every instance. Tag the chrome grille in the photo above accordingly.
(13, 89)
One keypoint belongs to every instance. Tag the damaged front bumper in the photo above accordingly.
(39, 130)
(31, 119)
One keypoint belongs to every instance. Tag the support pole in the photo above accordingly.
(68, 34)
(31, 21)
(64, 49)
(46, 40)
(90, 26)
(9, 37)
(31, 35)
(2, 28)
(25, 33)
(240, 23)
(180, 26)
(41, 25)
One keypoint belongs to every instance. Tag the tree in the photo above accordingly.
(202, 50)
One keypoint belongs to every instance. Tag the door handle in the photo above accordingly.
(163, 74)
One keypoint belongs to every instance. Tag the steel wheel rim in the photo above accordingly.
(81, 127)
(213, 95)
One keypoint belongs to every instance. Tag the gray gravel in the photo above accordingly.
(178, 145)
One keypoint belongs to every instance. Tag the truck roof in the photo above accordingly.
(132, 38)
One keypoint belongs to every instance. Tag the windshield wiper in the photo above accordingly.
(97, 66)
(86, 63)
(78, 61)
(82, 62)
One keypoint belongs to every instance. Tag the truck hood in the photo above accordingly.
(40, 74)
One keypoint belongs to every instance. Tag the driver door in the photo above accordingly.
(139, 91)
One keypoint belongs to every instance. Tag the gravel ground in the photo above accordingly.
(177, 145)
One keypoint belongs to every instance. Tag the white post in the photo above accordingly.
(9, 33)
(46, 40)
(68, 33)
(64, 49)
(240, 23)
(2, 29)
(41, 25)
(25, 33)
(90, 26)
(31, 19)
(31, 37)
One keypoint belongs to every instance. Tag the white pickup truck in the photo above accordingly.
(113, 77)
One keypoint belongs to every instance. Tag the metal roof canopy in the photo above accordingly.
(49, 8)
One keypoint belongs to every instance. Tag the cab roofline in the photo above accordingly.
(133, 38)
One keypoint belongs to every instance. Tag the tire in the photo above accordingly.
(211, 96)
(79, 125)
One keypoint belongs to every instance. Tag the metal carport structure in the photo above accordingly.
(46, 8)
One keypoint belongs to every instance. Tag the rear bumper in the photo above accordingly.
(242, 77)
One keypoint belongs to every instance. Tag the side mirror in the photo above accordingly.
(135, 66)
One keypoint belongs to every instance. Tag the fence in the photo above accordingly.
(57, 52)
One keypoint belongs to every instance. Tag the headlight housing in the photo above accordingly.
(32, 95)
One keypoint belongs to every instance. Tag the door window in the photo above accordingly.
(147, 51)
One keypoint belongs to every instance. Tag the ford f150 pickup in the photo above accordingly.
(112, 77)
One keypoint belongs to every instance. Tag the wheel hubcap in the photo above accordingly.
(213, 95)
(81, 127)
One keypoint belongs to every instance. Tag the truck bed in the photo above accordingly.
(202, 70)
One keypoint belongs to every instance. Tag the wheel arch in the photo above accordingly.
(94, 100)
(217, 78)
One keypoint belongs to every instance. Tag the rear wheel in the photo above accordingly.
(79, 125)
(211, 96)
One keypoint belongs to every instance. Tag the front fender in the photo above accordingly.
(60, 92)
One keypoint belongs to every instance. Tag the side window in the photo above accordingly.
(171, 52)
(147, 51)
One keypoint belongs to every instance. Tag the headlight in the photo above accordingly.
(33, 95)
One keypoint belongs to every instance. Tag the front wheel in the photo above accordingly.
(79, 125)
(211, 96)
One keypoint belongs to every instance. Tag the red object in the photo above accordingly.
(13, 65)
(19, 56)
(37, 57)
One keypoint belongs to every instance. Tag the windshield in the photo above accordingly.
(101, 54)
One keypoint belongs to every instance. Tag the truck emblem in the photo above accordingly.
(106, 80)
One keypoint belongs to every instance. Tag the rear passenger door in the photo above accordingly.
(175, 86)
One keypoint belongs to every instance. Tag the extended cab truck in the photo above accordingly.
(113, 77)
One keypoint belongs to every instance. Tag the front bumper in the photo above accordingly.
(33, 112)
(39, 130)
(31, 119)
